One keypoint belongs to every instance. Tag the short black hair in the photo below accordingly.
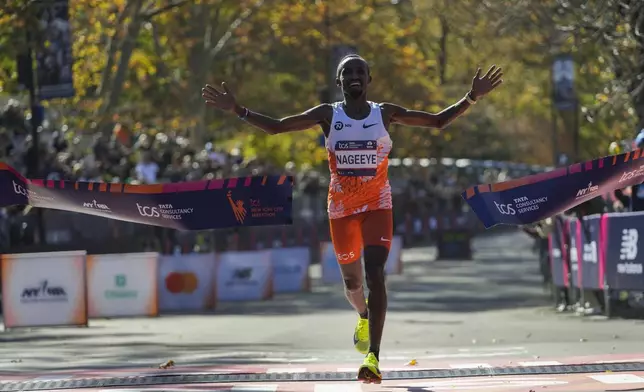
(347, 58)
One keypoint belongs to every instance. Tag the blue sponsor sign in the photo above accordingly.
(290, 269)
(624, 263)
(533, 198)
(589, 236)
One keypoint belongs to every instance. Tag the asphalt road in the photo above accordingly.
(493, 306)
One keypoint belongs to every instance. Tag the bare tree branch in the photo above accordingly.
(151, 14)
(223, 40)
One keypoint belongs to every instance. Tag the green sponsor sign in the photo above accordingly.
(120, 290)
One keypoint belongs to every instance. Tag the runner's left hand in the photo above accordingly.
(483, 85)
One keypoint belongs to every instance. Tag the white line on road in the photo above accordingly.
(618, 378)
(470, 366)
(255, 388)
(338, 387)
(540, 363)
(286, 370)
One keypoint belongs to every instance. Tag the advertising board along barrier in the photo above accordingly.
(331, 269)
(624, 263)
(244, 276)
(588, 241)
(44, 289)
(120, 285)
(557, 254)
(186, 282)
(291, 269)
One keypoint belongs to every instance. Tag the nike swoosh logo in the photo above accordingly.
(383, 239)
(365, 126)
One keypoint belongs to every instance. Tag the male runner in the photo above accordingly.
(359, 200)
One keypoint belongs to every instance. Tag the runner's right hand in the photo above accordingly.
(219, 98)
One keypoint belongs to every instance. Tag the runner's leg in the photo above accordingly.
(347, 242)
(377, 232)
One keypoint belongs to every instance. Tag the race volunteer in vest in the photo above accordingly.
(359, 199)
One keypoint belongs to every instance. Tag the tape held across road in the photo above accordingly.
(533, 198)
(199, 205)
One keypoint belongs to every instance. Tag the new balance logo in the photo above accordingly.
(629, 244)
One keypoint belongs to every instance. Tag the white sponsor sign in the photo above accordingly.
(44, 289)
(187, 282)
(291, 269)
(331, 269)
(244, 276)
(122, 285)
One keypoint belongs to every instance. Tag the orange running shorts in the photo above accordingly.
(351, 233)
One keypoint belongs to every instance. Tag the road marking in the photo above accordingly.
(470, 366)
(479, 383)
(622, 360)
(255, 388)
(286, 370)
(540, 363)
(338, 387)
(618, 378)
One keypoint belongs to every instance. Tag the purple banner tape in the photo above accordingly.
(533, 198)
(201, 205)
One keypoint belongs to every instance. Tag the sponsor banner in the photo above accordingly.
(122, 285)
(588, 240)
(331, 269)
(291, 269)
(624, 263)
(557, 252)
(199, 205)
(187, 282)
(44, 289)
(574, 253)
(244, 276)
(533, 198)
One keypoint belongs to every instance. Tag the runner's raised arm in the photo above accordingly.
(225, 100)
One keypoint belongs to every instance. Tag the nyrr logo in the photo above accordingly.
(238, 208)
(94, 205)
(589, 190)
(505, 209)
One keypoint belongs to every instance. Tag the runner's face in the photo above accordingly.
(354, 78)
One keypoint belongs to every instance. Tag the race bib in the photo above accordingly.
(356, 158)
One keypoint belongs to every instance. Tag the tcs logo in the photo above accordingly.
(181, 282)
(345, 256)
(505, 209)
(19, 189)
(147, 211)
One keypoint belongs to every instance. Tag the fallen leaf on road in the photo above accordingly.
(167, 365)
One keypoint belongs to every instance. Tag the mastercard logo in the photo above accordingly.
(181, 282)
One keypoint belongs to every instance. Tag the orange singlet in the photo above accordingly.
(359, 201)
